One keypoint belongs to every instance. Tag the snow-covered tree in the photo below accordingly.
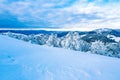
(98, 47)
(17, 36)
(69, 40)
(73, 41)
(52, 40)
(39, 39)
(82, 45)
(113, 49)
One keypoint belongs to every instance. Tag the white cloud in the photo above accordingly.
(81, 14)
(108, 16)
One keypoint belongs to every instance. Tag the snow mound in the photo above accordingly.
(24, 61)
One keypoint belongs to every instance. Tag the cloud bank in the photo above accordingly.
(59, 14)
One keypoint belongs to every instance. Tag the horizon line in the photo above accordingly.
(55, 29)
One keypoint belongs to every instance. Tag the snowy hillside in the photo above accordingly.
(25, 61)
(101, 41)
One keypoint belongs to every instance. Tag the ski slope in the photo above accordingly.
(25, 61)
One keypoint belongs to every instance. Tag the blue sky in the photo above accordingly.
(60, 14)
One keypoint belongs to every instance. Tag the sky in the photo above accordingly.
(60, 14)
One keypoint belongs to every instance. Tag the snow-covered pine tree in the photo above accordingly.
(39, 39)
(98, 47)
(113, 49)
(52, 40)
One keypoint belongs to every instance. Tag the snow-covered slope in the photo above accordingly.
(110, 45)
(117, 39)
(24, 61)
